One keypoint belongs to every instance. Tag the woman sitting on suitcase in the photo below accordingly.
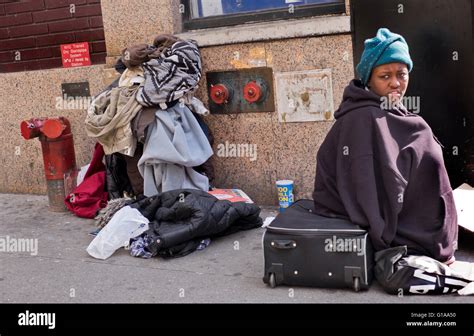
(381, 166)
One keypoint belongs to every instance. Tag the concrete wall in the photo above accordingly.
(284, 150)
(24, 95)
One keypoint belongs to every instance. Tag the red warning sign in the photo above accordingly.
(75, 54)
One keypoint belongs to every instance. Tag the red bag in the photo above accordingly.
(91, 195)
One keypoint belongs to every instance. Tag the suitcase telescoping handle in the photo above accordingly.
(283, 244)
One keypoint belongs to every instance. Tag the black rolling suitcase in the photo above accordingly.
(304, 249)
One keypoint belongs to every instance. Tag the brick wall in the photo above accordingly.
(31, 32)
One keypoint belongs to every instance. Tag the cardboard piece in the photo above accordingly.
(464, 199)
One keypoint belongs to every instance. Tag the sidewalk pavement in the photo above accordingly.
(230, 270)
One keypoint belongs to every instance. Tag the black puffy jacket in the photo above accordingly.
(181, 217)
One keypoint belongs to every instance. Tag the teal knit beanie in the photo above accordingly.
(386, 47)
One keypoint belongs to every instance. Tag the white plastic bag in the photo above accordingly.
(127, 223)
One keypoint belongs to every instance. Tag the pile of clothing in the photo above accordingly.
(147, 185)
(149, 127)
(172, 224)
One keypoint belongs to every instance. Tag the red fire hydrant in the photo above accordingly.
(58, 155)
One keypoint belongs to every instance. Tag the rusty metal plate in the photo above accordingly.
(230, 80)
(235, 80)
(76, 89)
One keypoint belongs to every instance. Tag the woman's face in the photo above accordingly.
(389, 80)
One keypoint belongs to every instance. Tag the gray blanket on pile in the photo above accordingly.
(175, 143)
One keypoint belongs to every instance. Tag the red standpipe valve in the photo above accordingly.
(59, 157)
(254, 92)
(220, 94)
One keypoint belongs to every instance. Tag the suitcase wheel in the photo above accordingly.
(356, 284)
(272, 280)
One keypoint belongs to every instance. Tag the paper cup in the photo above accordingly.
(285, 194)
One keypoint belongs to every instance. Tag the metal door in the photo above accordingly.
(440, 36)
